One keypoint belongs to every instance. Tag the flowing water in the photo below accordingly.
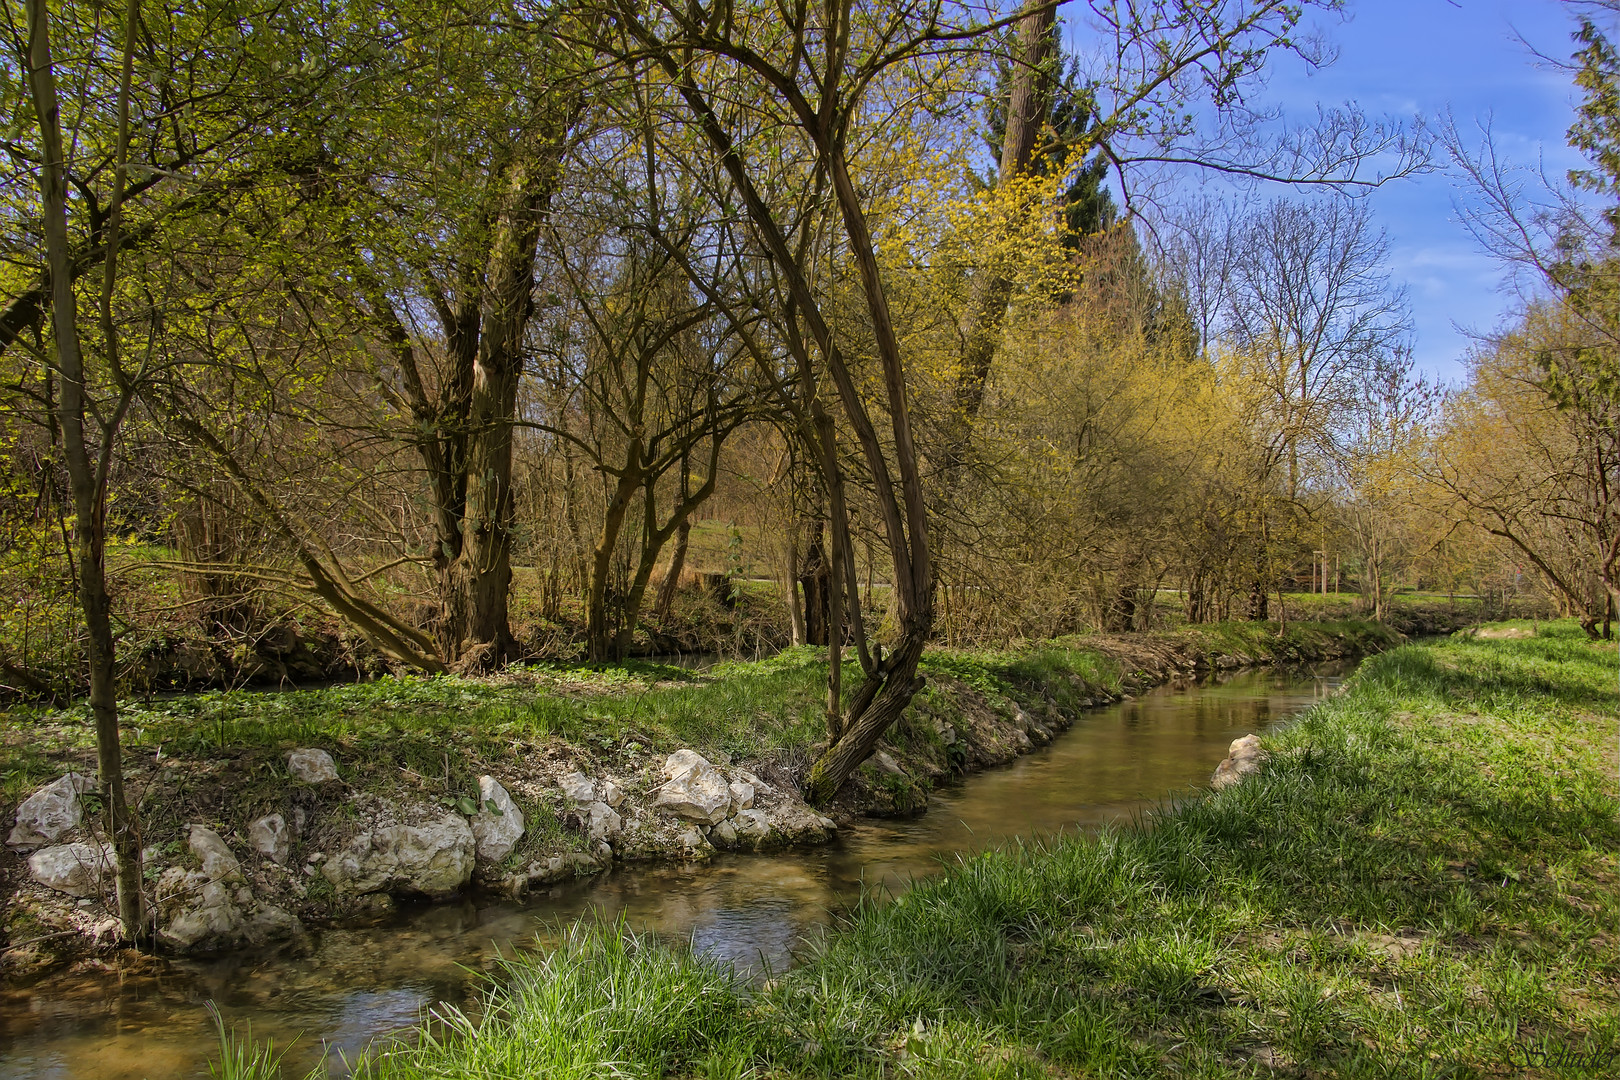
(751, 911)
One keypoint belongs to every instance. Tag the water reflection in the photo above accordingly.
(751, 912)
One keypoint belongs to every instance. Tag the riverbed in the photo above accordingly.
(355, 985)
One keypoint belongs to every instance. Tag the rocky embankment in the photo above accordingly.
(338, 853)
(251, 850)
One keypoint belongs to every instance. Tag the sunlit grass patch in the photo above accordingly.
(1422, 882)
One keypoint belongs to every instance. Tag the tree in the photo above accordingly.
(88, 427)
(1378, 471)
(402, 240)
(1563, 246)
(1539, 475)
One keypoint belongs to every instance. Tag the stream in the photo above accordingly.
(751, 911)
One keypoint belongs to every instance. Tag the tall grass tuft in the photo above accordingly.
(241, 1057)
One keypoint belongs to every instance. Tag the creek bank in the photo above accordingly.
(1421, 879)
(255, 844)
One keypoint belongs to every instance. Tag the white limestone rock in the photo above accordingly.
(1243, 757)
(612, 794)
(196, 913)
(312, 766)
(49, 812)
(723, 835)
(682, 761)
(578, 789)
(760, 786)
(495, 831)
(753, 826)
(793, 822)
(218, 861)
(199, 915)
(742, 795)
(76, 869)
(697, 791)
(602, 821)
(270, 923)
(270, 837)
(552, 870)
(434, 860)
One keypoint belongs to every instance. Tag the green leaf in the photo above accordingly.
(466, 806)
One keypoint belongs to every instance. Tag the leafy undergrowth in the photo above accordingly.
(1422, 883)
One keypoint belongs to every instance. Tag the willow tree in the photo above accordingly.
(442, 206)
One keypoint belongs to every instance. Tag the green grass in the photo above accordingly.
(427, 724)
(1422, 883)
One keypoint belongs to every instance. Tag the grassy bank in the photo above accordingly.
(1423, 882)
(454, 728)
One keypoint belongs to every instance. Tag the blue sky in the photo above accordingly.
(1426, 58)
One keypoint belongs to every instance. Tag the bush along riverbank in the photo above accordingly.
(267, 814)
(1420, 881)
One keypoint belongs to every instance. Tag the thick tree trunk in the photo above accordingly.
(478, 580)
(815, 577)
(794, 605)
(598, 639)
(880, 701)
(476, 583)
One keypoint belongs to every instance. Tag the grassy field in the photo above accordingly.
(1423, 882)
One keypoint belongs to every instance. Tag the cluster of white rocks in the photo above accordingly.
(208, 907)
(210, 902)
(722, 810)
